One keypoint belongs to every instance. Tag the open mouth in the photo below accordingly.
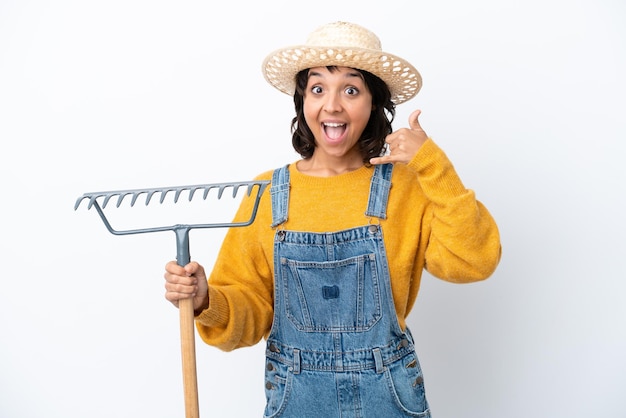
(334, 130)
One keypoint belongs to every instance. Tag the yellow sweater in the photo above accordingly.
(433, 222)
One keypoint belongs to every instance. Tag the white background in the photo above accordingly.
(526, 97)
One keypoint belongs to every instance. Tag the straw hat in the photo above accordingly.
(346, 45)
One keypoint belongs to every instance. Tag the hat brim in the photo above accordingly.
(281, 67)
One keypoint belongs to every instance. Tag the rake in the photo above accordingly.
(254, 190)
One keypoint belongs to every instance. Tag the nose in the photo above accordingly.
(332, 103)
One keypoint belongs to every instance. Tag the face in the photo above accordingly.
(337, 107)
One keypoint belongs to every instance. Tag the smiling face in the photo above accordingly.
(337, 108)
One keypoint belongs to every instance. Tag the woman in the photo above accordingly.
(331, 267)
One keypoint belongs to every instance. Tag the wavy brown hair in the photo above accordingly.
(372, 141)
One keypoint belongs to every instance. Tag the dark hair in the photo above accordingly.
(372, 141)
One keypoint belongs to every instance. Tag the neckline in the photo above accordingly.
(363, 171)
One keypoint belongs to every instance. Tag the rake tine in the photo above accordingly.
(164, 193)
(121, 198)
(192, 191)
(91, 202)
(207, 190)
(177, 195)
(106, 199)
(236, 190)
(149, 196)
(134, 199)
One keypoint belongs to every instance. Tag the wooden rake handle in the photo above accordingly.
(187, 331)
(188, 350)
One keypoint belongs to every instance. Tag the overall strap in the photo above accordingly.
(379, 191)
(279, 190)
(376, 206)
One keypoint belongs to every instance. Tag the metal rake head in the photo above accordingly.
(100, 200)
(164, 191)
(181, 230)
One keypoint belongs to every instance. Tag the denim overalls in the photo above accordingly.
(336, 348)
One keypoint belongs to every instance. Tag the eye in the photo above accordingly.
(316, 89)
(352, 91)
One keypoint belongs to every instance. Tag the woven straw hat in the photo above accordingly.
(346, 45)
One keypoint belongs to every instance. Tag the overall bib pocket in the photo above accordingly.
(332, 296)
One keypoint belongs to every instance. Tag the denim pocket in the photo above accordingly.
(332, 296)
(277, 387)
(406, 382)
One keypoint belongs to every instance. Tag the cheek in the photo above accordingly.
(361, 111)
(363, 117)
(310, 115)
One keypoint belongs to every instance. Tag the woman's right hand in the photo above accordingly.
(186, 282)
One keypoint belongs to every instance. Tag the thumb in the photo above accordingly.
(194, 269)
(414, 120)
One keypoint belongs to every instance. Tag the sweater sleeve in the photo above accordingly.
(240, 285)
(462, 236)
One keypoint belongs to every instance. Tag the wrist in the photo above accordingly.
(203, 306)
